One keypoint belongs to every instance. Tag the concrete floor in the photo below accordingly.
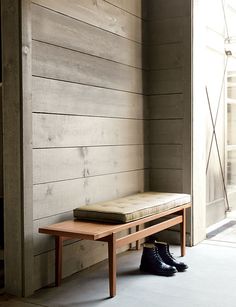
(209, 282)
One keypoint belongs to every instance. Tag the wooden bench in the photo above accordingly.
(98, 231)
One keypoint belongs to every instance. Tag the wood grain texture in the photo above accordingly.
(63, 196)
(169, 156)
(166, 180)
(55, 198)
(132, 6)
(172, 30)
(167, 9)
(70, 131)
(58, 164)
(166, 81)
(52, 27)
(166, 131)
(44, 243)
(166, 106)
(12, 146)
(26, 37)
(63, 64)
(78, 255)
(215, 210)
(165, 56)
(102, 188)
(100, 14)
(69, 163)
(52, 96)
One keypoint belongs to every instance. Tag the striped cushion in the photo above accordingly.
(131, 208)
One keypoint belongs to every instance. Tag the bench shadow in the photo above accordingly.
(90, 303)
(131, 272)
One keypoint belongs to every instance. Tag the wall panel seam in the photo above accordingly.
(85, 115)
(90, 54)
(87, 84)
(78, 146)
(124, 9)
(140, 43)
(88, 177)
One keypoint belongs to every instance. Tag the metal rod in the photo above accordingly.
(217, 112)
(225, 19)
(218, 152)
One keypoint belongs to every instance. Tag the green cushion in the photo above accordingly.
(131, 208)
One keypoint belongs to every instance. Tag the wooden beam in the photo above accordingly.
(148, 231)
(27, 168)
(12, 145)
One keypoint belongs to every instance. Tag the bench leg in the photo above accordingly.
(183, 233)
(138, 245)
(58, 260)
(112, 264)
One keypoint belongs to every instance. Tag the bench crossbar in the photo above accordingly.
(148, 231)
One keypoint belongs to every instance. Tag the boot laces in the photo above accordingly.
(169, 253)
(157, 256)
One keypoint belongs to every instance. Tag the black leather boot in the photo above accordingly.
(152, 263)
(163, 249)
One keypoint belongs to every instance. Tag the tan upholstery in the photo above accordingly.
(131, 208)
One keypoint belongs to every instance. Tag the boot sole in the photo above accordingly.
(169, 274)
(181, 270)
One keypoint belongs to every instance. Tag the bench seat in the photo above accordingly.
(131, 208)
(150, 207)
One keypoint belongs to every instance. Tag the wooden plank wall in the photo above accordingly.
(12, 147)
(88, 106)
(168, 50)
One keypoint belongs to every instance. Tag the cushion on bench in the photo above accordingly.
(131, 208)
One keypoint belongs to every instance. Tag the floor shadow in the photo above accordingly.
(220, 229)
(84, 303)
(132, 272)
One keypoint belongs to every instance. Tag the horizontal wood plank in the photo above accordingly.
(50, 209)
(132, 6)
(100, 14)
(166, 180)
(71, 131)
(166, 106)
(166, 131)
(63, 196)
(52, 27)
(165, 56)
(55, 198)
(54, 62)
(167, 9)
(58, 164)
(69, 163)
(171, 30)
(44, 243)
(166, 81)
(166, 156)
(76, 257)
(52, 96)
(102, 188)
